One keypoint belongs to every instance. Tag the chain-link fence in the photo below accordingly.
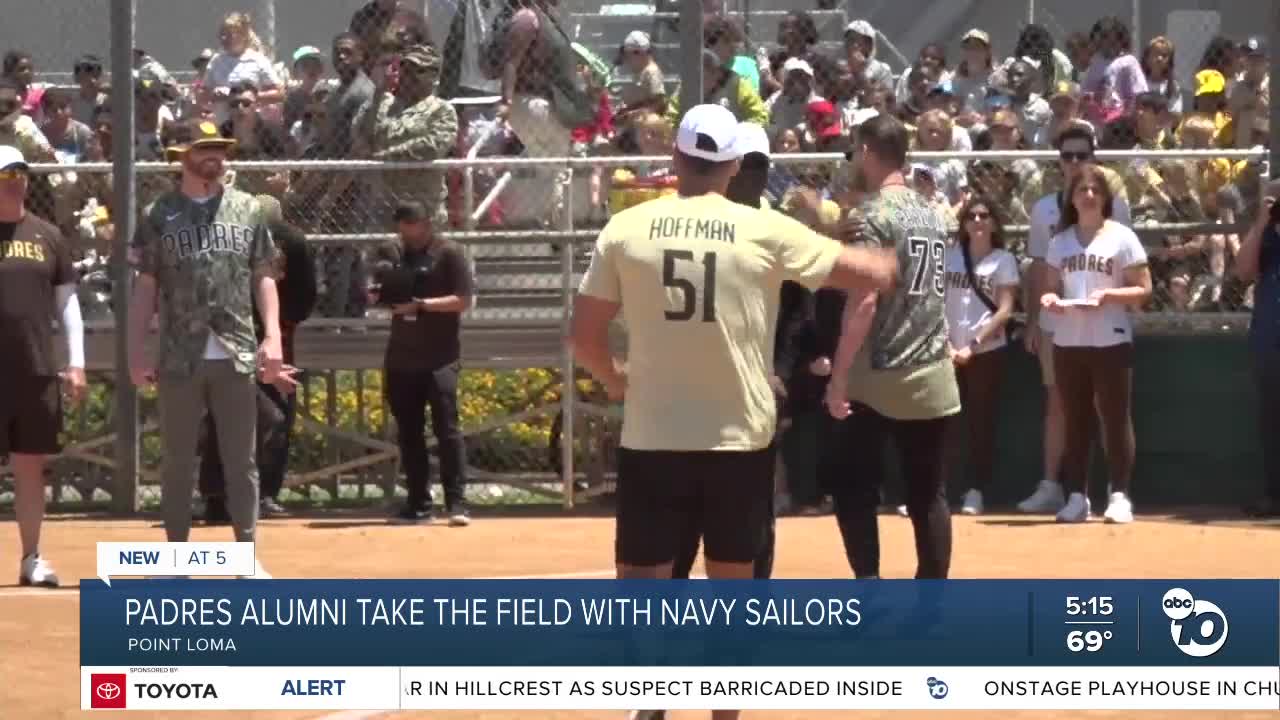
(523, 157)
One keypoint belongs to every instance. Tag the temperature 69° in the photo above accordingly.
(1087, 640)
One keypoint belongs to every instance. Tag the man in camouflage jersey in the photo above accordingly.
(204, 252)
(893, 376)
(412, 124)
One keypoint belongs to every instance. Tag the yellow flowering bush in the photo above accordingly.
(484, 398)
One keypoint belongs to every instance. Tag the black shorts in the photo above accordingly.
(664, 496)
(30, 416)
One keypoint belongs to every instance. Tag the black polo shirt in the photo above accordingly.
(431, 340)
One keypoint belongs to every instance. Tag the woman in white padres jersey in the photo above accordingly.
(982, 287)
(1099, 273)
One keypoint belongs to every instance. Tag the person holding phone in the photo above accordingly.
(427, 283)
(982, 288)
(1098, 272)
(1259, 262)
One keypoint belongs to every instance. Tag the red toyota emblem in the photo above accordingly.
(107, 691)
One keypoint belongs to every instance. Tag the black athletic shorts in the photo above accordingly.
(30, 416)
(663, 496)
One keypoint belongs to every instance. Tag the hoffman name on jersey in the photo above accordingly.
(689, 227)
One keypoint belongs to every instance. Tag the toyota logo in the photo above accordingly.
(107, 691)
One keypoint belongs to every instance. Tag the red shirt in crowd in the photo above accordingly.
(602, 126)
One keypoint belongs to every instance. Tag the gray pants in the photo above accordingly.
(231, 398)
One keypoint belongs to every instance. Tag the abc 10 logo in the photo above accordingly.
(1199, 627)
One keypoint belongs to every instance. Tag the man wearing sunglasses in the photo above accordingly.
(36, 280)
(1075, 147)
(412, 124)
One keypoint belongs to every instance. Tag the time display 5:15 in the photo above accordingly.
(1089, 606)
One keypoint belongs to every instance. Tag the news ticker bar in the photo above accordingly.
(689, 688)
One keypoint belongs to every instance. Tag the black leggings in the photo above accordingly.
(1100, 377)
(1267, 373)
(920, 445)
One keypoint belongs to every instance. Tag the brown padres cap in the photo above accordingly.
(194, 134)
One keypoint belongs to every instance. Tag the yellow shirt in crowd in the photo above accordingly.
(698, 279)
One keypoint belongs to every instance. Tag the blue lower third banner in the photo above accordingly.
(573, 644)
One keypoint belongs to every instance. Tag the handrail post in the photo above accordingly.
(569, 391)
(124, 491)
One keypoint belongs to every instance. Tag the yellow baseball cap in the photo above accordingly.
(1209, 82)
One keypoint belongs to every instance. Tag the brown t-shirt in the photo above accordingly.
(430, 340)
(34, 259)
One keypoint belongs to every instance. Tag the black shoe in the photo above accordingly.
(1264, 509)
(269, 508)
(414, 515)
(215, 511)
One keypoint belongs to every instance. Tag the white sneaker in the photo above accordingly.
(902, 510)
(1076, 511)
(259, 573)
(972, 503)
(1047, 498)
(36, 571)
(1119, 509)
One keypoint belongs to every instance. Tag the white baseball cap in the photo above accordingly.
(11, 157)
(709, 132)
(752, 139)
(638, 39)
(796, 64)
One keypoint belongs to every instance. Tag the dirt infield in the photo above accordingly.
(39, 630)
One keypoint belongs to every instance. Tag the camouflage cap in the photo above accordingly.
(424, 56)
(193, 134)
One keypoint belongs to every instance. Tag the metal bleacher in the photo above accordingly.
(521, 282)
(602, 26)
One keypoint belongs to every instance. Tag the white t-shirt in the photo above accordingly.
(1045, 215)
(966, 313)
(229, 70)
(1099, 266)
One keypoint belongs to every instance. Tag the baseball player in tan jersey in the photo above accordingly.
(696, 279)
(204, 252)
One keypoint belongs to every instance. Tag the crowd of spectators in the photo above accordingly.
(381, 90)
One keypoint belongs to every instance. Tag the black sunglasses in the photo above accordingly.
(88, 69)
(1075, 156)
(979, 215)
(242, 103)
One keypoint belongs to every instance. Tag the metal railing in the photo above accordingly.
(537, 341)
